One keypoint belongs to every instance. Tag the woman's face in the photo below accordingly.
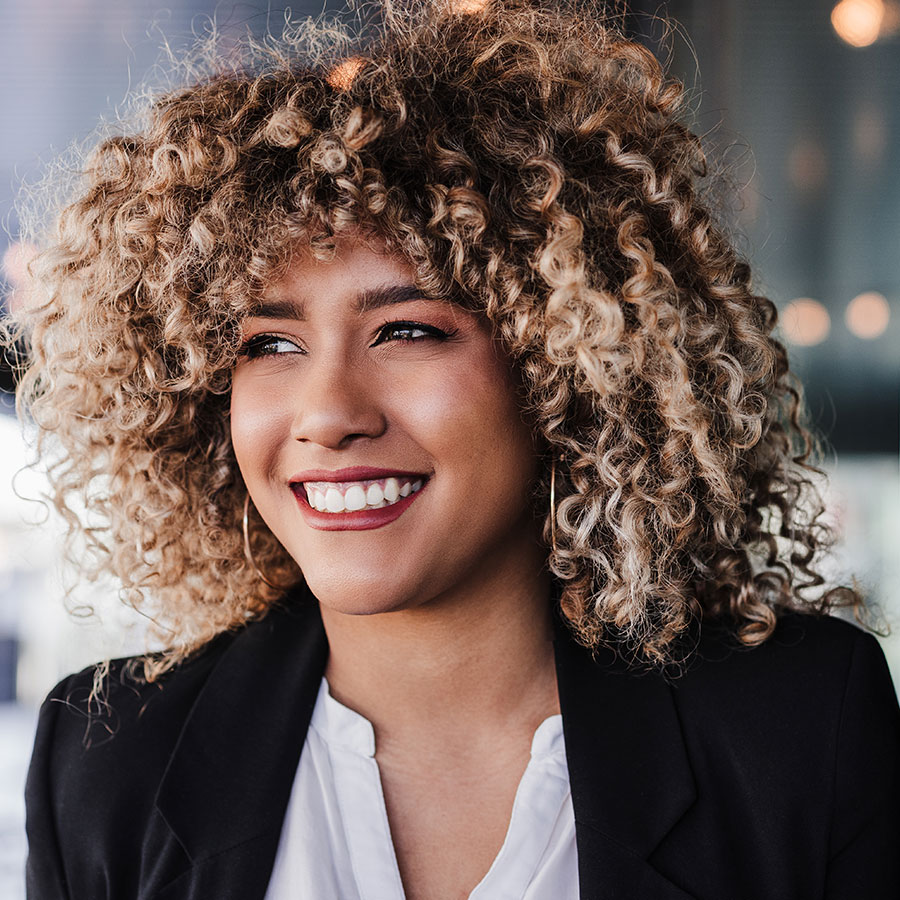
(380, 437)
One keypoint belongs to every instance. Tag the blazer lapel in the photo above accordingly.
(227, 785)
(226, 788)
(628, 770)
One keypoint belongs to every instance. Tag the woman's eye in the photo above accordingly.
(268, 345)
(408, 331)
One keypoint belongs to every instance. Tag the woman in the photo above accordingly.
(412, 390)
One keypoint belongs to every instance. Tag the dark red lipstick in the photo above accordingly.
(353, 473)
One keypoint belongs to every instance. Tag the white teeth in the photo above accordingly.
(391, 490)
(338, 497)
(355, 498)
(316, 498)
(334, 500)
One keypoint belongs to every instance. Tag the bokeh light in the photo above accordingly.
(867, 315)
(890, 24)
(807, 165)
(805, 322)
(870, 135)
(858, 22)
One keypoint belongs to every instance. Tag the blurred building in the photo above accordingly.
(800, 99)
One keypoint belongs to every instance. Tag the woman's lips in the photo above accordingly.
(329, 504)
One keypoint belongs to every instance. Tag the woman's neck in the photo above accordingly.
(471, 663)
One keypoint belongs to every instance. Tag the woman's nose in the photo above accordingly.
(337, 404)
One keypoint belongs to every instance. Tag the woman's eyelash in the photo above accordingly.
(265, 345)
(410, 332)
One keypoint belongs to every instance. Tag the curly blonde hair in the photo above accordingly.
(531, 164)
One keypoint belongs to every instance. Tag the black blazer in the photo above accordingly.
(768, 773)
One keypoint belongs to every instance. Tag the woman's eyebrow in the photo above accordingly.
(366, 301)
(377, 297)
(278, 309)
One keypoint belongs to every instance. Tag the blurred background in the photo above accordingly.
(798, 101)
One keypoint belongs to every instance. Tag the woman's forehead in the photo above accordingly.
(354, 267)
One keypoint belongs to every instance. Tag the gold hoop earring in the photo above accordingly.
(553, 505)
(248, 553)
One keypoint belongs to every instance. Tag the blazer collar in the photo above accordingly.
(229, 778)
(230, 775)
(628, 769)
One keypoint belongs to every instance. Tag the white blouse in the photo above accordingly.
(336, 843)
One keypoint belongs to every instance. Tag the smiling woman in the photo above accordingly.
(407, 382)
(343, 422)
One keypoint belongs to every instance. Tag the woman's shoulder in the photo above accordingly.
(100, 749)
(807, 684)
(809, 661)
(112, 698)
(130, 724)
(93, 719)
(806, 653)
(108, 776)
(818, 691)
(93, 708)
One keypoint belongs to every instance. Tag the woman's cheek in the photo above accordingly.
(258, 421)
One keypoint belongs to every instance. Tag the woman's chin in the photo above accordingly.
(360, 598)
